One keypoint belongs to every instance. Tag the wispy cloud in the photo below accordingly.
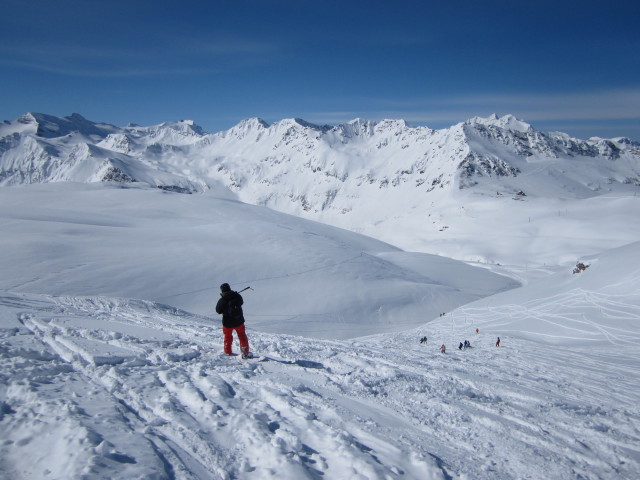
(226, 46)
(597, 105)
(79, 70)
(173, 56)
(610, 104)
(61, 51)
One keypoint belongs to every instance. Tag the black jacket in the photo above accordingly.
(221, 307)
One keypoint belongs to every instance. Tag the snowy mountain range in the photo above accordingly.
(297, 166)
(410, 186)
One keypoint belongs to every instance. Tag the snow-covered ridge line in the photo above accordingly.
(458, 156)
(331, 160)
(50, 126)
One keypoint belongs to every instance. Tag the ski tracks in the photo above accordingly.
(560, 413)
(180, 410)
(142, 391)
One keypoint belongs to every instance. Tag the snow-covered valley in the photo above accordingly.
(111, 361)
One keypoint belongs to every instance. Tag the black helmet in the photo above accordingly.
(225, 288)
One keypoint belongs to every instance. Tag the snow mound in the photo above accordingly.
(323, 282)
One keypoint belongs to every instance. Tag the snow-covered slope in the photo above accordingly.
(592, 305)
(417, 188)
(595, 306)
(177, 249)
(101, 388)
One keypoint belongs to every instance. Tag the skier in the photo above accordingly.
(230, 306)
(423, 340)
(498, 342)
(460, 346)
(443, 349)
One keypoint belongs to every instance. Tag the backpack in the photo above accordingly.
(234, 308)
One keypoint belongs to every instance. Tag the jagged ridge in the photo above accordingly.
(296, 166)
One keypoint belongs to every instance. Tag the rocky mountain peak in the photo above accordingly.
(508, 122)
(293, 164)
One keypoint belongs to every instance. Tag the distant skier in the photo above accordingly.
(423, 340)
(460, 346)
(467, 344)
(443, 349)
(498, 342)
(230, 306)
(477, 331)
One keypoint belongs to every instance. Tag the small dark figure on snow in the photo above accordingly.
(460, 346)
(423, 340)
(443, 349)
(230, 306)
(467, 344)
(498, 342)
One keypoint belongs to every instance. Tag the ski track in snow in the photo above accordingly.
(104, 388)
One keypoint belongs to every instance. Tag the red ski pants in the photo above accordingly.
(228, 339)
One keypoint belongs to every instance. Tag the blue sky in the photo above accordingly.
(560, 65)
